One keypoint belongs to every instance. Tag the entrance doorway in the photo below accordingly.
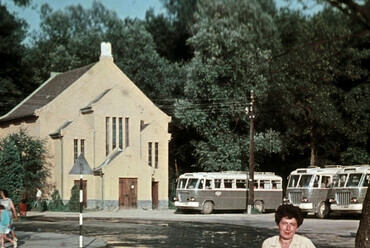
(155, 195)
(84, 191)
(127, 193)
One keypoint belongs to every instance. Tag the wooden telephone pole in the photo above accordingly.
(251, 113)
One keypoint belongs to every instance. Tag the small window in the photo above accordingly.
(276, 184)
(240, 184)
(256, 184)
(208, 184)
(366, 181)
(217, 183)
(316, 181)
(228, 183)
(201, 184)
(325, 182)
(265, 184)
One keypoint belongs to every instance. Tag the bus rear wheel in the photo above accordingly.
(207, 207)
(258, 205)
(323, 211)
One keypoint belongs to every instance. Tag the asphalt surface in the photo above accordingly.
(339, 231)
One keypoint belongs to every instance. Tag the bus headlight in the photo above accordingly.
(304, 199)
(191, 199)
(332, 200)
(286, 200)
(175, 199)
(354, 200)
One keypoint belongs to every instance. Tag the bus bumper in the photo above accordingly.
(351, 208)
(193, 205)
(305, 206)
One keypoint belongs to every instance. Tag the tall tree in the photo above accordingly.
(22, 164)
(316, 71)
(14, 73)
(230, 43)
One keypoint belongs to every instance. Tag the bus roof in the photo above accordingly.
(331, 169)
(357, 169)
(232, 175)
(317, 171)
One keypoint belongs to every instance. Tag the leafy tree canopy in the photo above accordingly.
(23, 164)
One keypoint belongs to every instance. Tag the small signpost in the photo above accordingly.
(81, 167)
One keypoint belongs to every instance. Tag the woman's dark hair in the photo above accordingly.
(289, 211)
(5, 192)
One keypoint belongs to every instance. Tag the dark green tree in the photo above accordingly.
(23, 164)
(315, 78)
(14, 73)
(231, 43)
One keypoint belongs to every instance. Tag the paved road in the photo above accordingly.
(165, 228)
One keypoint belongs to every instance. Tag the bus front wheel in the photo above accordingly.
(258, 205)
(207, 207)
(323, 211)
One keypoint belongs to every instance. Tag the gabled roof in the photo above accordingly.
(45, 94)
(109, 159)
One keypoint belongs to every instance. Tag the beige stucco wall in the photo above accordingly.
(124, 100)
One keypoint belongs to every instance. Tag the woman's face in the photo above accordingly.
(2, 194)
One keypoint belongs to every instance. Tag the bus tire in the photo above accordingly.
(258, 205)
(207, 207)
(322, 211)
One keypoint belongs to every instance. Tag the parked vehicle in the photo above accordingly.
(349, 190)
(208, 191)
(308, 189)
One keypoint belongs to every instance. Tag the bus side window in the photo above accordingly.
(228, 183)
(208, 184)
(256, 184)
(201, 184)
(240, 184)
(217, 183)
(265, 184)
(316, 182)
(366, 181)
(325, 182)
(276, 184)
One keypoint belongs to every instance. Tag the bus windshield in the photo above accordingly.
(340, 181)
(305, 181)
(192, 183)
(181, 184)
(354, 180)
(293, 181)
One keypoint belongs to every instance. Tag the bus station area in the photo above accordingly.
(158, 228)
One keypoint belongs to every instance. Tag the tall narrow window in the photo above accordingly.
(127, 141)
(114, 133)
(120, 128)
(150, 153)
(107, 133)
(156, 155)
(75, 150)
(82, 146)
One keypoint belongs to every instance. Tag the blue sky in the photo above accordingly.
(123, 8)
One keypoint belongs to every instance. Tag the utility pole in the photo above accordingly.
(251, 113)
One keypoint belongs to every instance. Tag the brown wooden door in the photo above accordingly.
(155, 195)
(84, 191)
(127, 193)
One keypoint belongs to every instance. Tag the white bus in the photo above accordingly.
(349, 190)
(308, 189)
(208, 191)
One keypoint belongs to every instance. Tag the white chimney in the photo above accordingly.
(106, 51)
